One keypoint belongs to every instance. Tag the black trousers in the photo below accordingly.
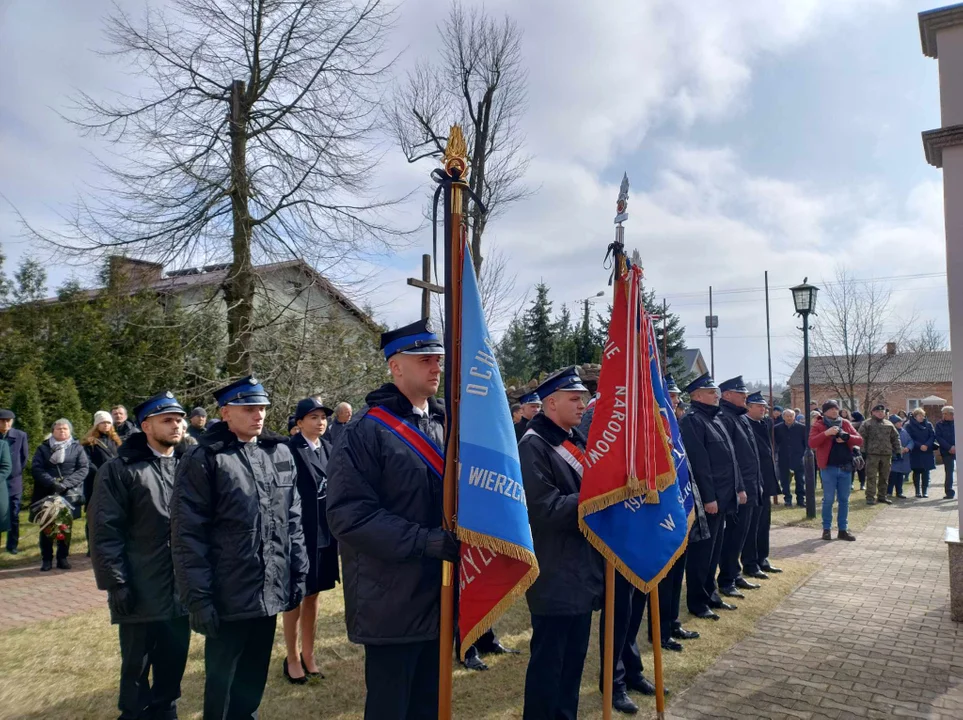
(13, 535)
(670, 597)
(949, 465)
(236, 667)
(559, 645)
(158, 647)
(629, 609)
(762, 533)
(46, 548)
(737, 530)
(701, 565)
(401, 681)
(786, 481)
(750, 548)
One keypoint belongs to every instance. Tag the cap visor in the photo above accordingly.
(423, 351)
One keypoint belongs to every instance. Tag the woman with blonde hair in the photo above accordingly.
(923, 435)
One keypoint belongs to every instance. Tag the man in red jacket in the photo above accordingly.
(834, 439)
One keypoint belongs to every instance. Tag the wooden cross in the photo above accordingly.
(427, 287)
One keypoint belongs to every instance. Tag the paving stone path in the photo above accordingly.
(28, 595)
(869, 635)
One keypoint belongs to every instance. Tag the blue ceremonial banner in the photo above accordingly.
(645, 539)
(497, 554)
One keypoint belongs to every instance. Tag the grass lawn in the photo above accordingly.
(860, 514)
(29, 545)
(68, 668)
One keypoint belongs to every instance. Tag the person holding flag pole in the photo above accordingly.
(635, 502)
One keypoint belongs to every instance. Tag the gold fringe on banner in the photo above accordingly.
(502, 547)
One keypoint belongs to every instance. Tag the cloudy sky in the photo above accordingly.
(757, 135)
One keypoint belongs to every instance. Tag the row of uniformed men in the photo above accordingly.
(226, 523)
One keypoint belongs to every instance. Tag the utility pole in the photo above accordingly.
(427, 287)
(712, 322)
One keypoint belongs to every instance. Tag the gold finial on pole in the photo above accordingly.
(456, 153)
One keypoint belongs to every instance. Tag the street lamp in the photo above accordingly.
(804, 300)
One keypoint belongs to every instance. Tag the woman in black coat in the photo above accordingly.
(100, 444)
(311, 453)
(923, 435)
(59, 468)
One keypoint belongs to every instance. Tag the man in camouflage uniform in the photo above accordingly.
(880, 445)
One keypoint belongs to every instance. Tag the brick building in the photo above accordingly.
(901, 381)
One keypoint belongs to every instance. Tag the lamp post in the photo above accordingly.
(804, 299)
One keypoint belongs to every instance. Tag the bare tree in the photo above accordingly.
(478, 81)
(929, 339)
(253, 141)
(856, 338)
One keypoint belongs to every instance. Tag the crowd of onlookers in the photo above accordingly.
(63, 466)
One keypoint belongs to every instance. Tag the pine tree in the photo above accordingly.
(65, 403)
(513, 357)
(538, 332)
(563, 333)
(587, 350)
(672, 330)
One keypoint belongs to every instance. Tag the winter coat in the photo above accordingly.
(130, 531)
(903, 464)
(99, 452)
(570, 579)
(335, 428)
(195, 432)
(712, 459)
(880, 437)
(744, 443)
(236, 534)
(126, 429)
(321, 547)
(922, 433)
(791, 443)
(382, 501)
(822, 444)
(6, 465)
(522, 425)
(946, 437)
(19, 454)
(70, 474)
(767, 466)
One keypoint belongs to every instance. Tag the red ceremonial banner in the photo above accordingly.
(627, 420)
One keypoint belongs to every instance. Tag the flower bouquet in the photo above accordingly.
(55, 518)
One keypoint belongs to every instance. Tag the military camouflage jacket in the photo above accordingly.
(880, 437)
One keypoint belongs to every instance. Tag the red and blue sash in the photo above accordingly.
(422, 445)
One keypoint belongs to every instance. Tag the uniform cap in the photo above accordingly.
(671, 386)
(246, 391)
(565, 380)
(703, 382)
(736, 384)
(309, 405)
(418, 338)
(530, 398)
(756, 398)
(160, 404)
(879, 407)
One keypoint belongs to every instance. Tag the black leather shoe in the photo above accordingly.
(884, 500)
(706, 615)
(473, 661)
(680, 633)
(293, 680)
(63, 564)
(673, 645)
(744, 584)
(846, 535)
(723, 606)
(642, 685)
(731, 592)
(827, 535)
(623, 703)
(12, 551)
(46, 566)
(770, 569)
(496, 648)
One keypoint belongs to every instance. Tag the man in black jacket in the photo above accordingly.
(238, 546)
(791, 443)
(531, 404)
(712, 462)
(743, 519)
(755, 553)
(129, 518)
(569, 586)
(385, 509)
(122, 424)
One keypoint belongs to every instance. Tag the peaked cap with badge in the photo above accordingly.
(565, 380)
(703, 382)
(736, 384)
(418, 338)
(160, 404)
(531, 398)
(756, 398)
(246, 391)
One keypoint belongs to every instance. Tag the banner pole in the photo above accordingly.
(456, 166)
(655, 619)
(608, 656)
